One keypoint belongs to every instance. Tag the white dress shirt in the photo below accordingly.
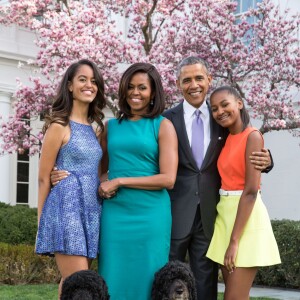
(189, 115)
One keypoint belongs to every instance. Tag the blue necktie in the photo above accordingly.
(197, 138)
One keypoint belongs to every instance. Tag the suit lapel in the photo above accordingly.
(179, 124)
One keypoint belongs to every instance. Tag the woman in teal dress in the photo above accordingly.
(140, 155)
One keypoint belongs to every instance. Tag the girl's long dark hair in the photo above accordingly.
(158, 94)
(63, 102)
(232, 91)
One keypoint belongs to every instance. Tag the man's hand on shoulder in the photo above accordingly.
(262, 160)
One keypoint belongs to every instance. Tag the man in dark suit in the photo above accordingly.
(196, 191)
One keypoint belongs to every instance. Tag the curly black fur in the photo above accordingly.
(85, 284)
(167, 275)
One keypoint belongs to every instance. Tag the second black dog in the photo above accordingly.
(174, 281)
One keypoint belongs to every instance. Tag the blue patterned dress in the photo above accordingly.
(70, 219)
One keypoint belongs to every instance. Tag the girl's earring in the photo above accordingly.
(151, 102)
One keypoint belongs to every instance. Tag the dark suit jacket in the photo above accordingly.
(193, 185)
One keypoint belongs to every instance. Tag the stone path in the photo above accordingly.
(275, 293)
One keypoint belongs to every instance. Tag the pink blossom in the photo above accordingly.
(261, 59)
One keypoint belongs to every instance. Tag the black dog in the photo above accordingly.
(85, 284)
(175, 281)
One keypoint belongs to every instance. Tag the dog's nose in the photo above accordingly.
(179, 291)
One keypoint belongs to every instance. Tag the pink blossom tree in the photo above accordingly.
(66, 31)
(258, 53)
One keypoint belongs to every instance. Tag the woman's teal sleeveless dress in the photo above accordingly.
(136, 223)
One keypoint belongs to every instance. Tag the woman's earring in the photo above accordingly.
(151, 102)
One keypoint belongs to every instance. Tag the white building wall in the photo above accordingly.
(5, 160)
(16, 45)
(280, 188)
(293, 5)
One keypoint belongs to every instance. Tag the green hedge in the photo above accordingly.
(287, 274)
(18, 224)
(19, 264)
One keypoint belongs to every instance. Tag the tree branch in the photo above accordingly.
(162, 22)
(147, 29)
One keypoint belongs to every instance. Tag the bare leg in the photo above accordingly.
(238, 283)
(69, 264)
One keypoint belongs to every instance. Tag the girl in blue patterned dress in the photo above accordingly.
(69, 213)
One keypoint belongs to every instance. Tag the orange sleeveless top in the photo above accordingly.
(232, 163)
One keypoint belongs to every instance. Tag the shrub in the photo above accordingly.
(287, 274)
(20, 265)
(18, 224)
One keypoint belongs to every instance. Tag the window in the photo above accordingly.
(242, 7)
(245, 5)
(22, 177)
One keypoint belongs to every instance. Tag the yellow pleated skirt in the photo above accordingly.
(257, 245)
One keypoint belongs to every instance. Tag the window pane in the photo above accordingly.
(247, 4)
(255, 3)
(250, 20)
(238, 8)
(24, 156)
(23, 172)
(238, 21)
(22, 193)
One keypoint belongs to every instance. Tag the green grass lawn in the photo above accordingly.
(29, 292)
(45, 292)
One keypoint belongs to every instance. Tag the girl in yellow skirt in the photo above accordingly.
(243, 239)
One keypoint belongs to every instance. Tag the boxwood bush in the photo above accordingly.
(18, 224)
(287, 274)
(19, 264)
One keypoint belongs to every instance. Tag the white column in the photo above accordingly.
(5, 160)
(36, 126)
